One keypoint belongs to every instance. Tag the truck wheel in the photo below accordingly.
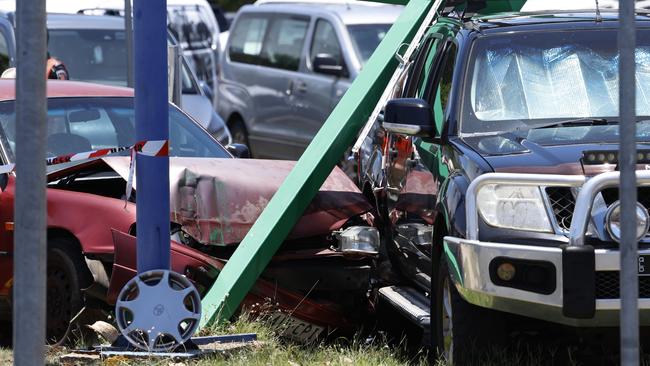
(463, 332)
(64, 298)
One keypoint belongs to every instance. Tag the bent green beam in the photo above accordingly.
(299, 188)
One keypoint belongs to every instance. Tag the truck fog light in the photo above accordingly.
(613, 221)
(506, 271)
(359, 240)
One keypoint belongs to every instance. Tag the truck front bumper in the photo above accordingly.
(472, 269)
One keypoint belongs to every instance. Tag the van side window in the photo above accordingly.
(246, 39)
(325, 41)
(283, 45)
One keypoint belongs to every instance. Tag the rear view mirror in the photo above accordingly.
(84, 115)
(239, 151)
(409, 116)
(325, 63)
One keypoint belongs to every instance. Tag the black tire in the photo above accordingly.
(475, 330)
(65, 271)
(238, 132)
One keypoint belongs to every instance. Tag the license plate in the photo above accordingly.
(294, 328)
(644, 264)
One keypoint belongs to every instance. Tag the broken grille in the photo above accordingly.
(607, 285)
(563, 203)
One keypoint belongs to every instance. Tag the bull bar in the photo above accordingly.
(573, 301)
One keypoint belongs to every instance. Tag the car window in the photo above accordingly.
(445, 76)
(518, 81)
(325, 41)
(82, 124)
(366, 38)
(192, 26)
(246, 39)
(419, 69)
(4, 53)
(94, 55)
(283, 45)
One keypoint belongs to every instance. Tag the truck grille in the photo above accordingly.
(607, 285)
(610, 195)
(563, 204)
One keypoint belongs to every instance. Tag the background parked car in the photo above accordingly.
(93, 48)
(287, 65)
(192, 22)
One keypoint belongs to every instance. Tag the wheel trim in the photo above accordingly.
(447, 322)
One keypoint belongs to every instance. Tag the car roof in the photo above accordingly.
(553, 19)
(354, 12)
(64, 88)
(80, 21)
(188, 2)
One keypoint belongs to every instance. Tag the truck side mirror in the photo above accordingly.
(325, 63)
(409, 116)
(239, 151)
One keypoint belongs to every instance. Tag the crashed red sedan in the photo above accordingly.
(314, 282)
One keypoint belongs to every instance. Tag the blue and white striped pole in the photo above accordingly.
(151, 120)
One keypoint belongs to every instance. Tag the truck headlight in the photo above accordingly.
(513, 207)
(613, 221)
(359, 240)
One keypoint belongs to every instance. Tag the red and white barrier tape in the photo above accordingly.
(148, 148)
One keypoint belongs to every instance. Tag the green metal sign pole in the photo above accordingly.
(299, 188)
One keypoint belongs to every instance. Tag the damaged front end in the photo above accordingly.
(318, 280)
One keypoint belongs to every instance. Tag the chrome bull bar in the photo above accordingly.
(589, 188)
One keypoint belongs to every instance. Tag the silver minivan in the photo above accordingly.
(286, 66)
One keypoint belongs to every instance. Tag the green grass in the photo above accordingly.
(270, 350)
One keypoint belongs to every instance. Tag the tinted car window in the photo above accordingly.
(446, 75)
(81, 124)
(283, 45)
(4, 54)
(325, 41)
(246, 39)
(94, 55)
(191, 26)
(197, 34)
(366, 37)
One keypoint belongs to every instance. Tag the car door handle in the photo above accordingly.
(296, 87)
(300, 86)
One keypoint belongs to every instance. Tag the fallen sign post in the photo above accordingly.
(326, 149)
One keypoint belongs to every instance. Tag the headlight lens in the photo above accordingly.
(359, 241)
(613, 221)
(513, 207)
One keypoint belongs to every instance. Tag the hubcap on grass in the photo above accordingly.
(158, 310)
